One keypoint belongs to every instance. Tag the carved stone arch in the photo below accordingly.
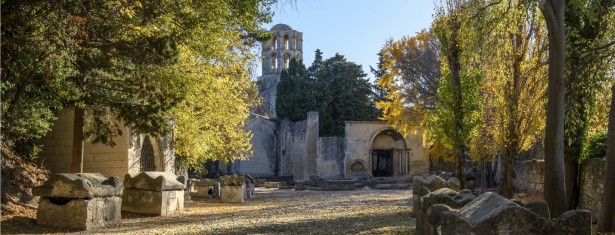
(388, 153)
(287, 57)
(273, 61)
(147, 156)
(286, 47)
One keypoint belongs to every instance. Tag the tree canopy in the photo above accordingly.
(335, 87)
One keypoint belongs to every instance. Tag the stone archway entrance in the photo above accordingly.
(389, 154)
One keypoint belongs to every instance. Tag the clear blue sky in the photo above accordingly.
(356, 29)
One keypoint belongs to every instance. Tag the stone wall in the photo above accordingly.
(330, 157)
(99, 158)
(359, 138)
(592, 185)
(530, 176)
(298, 143)
(263, 160)
(117, 160)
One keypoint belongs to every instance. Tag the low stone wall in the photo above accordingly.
(530, 176)
(592, 186)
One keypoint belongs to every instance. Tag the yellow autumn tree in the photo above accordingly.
(409, 72)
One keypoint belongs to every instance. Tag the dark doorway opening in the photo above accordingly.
(147, 156)
(382, 163)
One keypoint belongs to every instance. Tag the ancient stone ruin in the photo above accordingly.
(491, 213)
(153, 193)
(432, 183)
(592, 186)
(79, 201)
(444, 196)
(233, 188)
(205, 188)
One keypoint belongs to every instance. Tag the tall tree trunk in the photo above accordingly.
(572, 184)
(455, 67)
(554, 186)
(606, 223)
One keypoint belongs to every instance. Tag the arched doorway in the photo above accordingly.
(148, 160)
(389, 154)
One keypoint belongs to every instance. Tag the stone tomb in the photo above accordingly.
(491, 213)
(79, 201)
(205, 188)
(233, 188)
(153, 193)
(444, 196)
(432, 183)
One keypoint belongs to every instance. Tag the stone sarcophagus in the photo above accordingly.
(205, 188)
(491, 213)
(79, 201)
(233, 188)
(153, 193)
(444, 196)
(432, 183)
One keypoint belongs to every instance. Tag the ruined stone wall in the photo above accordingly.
(263, 161)
(330, 157)
(298, 143)
(530, 176)
(97, 158)
(592, 185)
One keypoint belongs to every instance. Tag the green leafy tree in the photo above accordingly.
(335, 87)
(122, 62)
(296, 93)
(589, 26)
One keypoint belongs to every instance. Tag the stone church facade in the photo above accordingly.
(132, 153)
(285, 148)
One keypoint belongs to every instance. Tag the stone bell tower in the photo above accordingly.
(276, 54)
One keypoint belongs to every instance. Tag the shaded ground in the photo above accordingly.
(272, 211)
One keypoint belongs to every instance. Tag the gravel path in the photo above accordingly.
(272, 211)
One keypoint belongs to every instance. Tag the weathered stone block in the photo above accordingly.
(592, 186)
(153, 193)
(444, 196)
(153, 202)
(81, 185)
(491, 213)
(153, 181)
(205, 188)
(79, 201)
(232, 180)
(432, 183)
(260, 182)
(302, 185)
(272, 184)
(77, 213)
(231, 193)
